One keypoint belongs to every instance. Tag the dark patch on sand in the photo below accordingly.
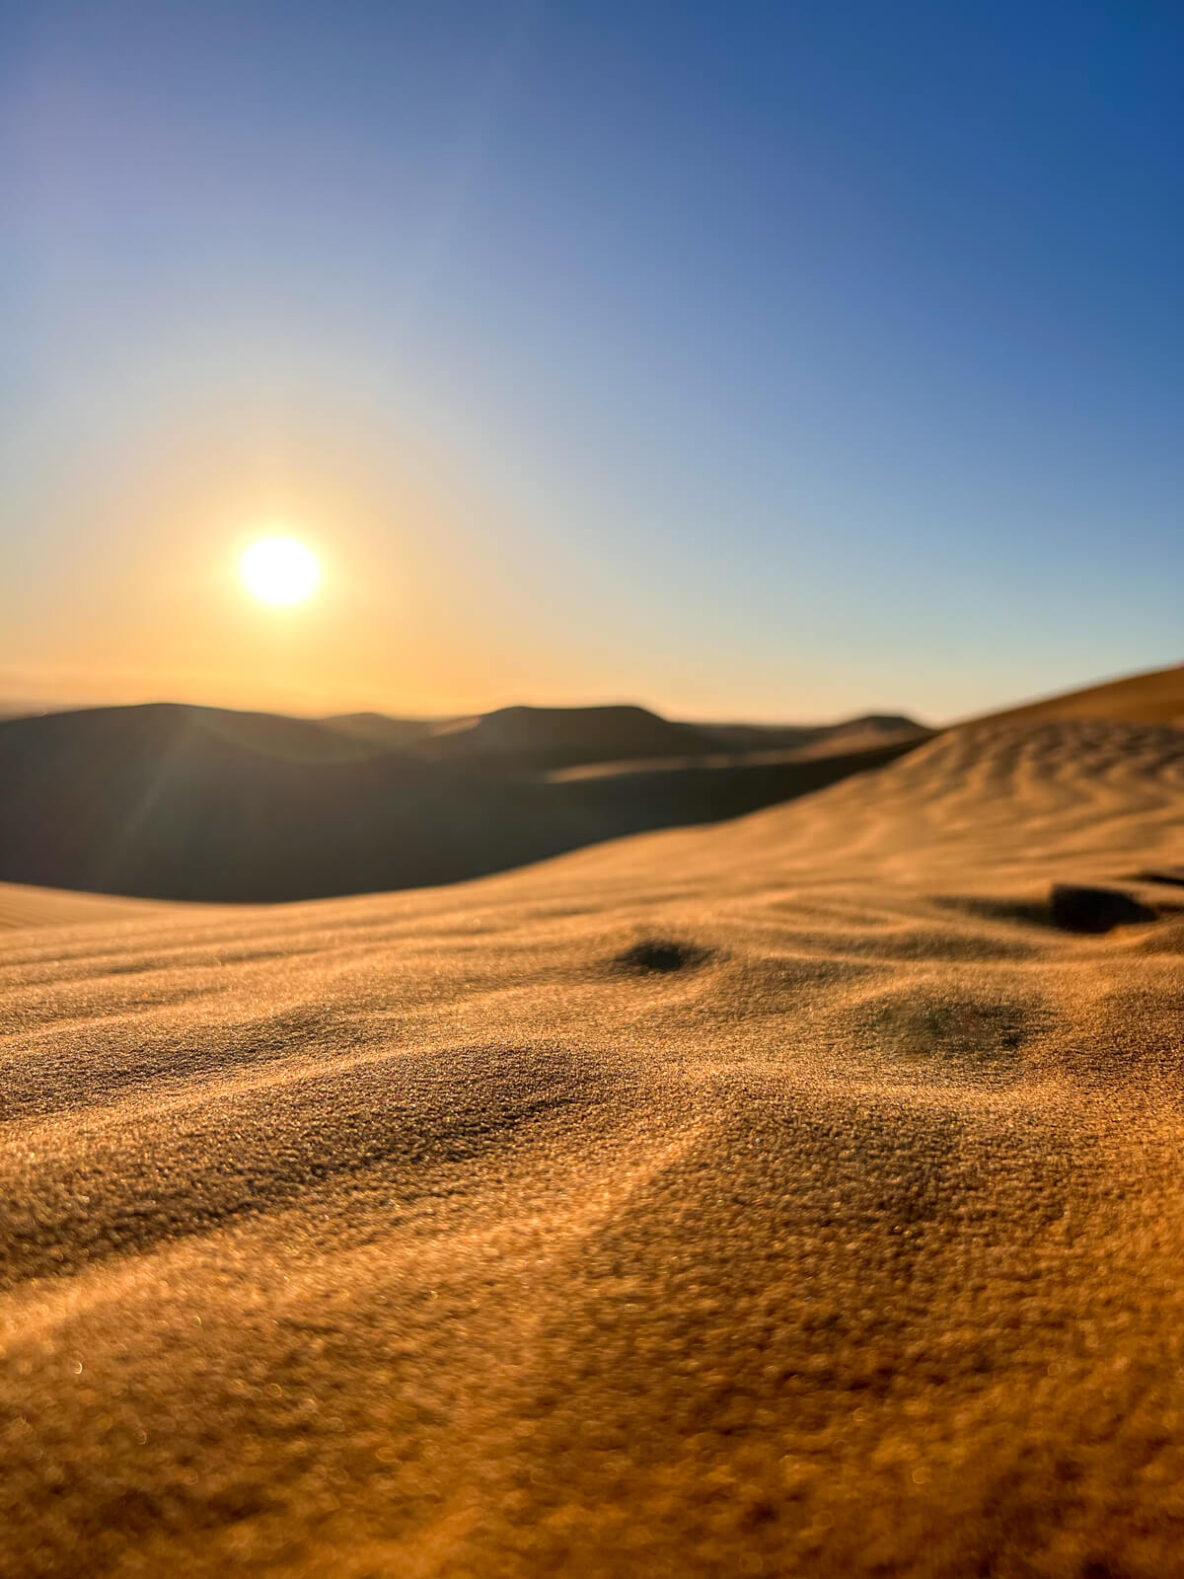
(661, 956)
(1080, 909)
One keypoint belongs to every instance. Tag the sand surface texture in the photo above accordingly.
(786, 1197)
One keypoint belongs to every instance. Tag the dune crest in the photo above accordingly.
(1154, 697)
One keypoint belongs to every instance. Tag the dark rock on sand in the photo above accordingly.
(1080, 909)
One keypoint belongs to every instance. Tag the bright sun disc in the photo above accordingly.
(280, 570)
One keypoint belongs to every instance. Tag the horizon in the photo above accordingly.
(750, 366)
(14, 706)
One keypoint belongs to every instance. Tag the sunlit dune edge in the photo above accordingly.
(1154, 697)
(24, 905)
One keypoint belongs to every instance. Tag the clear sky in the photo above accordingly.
(755, 360)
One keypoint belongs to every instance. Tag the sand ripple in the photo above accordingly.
(789, 1197)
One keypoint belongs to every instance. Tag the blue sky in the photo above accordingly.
(751, 360)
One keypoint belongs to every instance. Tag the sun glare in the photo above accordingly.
(280, 570)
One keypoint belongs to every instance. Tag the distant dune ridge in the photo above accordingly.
(794, 1196)
(178, 802)
(549, 737)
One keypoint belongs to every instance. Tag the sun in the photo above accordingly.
(280, 570)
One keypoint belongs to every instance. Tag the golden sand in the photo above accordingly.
(788, 1197)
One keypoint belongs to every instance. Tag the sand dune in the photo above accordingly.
(24, 906)
(788, 1197)
(1156, 697)
(174, 802)
(851, 734)
(553, 739)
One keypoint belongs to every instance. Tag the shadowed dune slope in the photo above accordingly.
(552, 737)
(197, 803)
(532, 740)
(849, 735)
(782, 1198)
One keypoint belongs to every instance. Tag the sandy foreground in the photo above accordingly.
(785, 1197)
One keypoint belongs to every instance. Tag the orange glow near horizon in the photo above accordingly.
(428, 600)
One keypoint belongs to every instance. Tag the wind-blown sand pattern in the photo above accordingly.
(788, 1197)
(22, 906)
